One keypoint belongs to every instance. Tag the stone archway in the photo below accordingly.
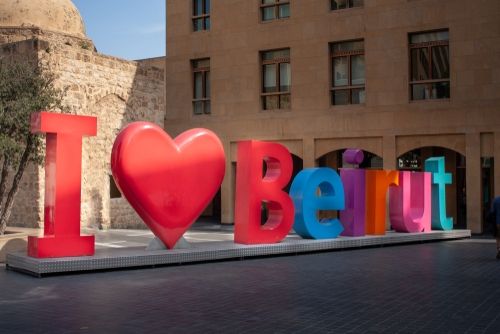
(456, 201)
(333, 159)
(455, 143)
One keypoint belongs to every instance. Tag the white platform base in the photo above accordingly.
(109, 259)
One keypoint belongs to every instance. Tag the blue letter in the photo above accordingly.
(439, 181)
(308, 201)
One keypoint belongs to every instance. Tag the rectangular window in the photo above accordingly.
(201, 15)
(201, 86)
(429, 65)
(343, 4)
(274, 9)
(348, 72)
(276, 79)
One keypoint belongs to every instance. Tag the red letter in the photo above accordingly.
(252, 189)
(63, 167)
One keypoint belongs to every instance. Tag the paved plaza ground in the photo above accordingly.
(442, 287)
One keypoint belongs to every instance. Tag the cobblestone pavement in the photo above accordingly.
(445, 287)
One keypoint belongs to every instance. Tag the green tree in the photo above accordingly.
(25, 88)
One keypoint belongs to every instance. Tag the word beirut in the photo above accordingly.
(169, 182)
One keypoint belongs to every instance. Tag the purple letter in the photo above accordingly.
(353, 217)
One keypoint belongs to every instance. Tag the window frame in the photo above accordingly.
(204, 99)
(349, 87)
(279, 93)
(428, 82)
(347, 8)
(276, 5)
(204, 16)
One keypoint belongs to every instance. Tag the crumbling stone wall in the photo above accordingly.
(117, 92)
(11, 35)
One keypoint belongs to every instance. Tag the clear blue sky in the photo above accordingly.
(130, 29)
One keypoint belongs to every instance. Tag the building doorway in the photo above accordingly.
(213, 211)
(487, 189)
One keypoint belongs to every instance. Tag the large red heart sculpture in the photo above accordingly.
(168, 182)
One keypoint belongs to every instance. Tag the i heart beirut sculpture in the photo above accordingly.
(169, 182)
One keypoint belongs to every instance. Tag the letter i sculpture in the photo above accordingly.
(353, 217)
(63, 169)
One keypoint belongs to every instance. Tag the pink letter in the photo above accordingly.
(410, 203)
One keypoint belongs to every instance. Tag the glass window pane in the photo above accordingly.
(198, 24)
(441, 90)
(420, 64)
(340, 97)
(206, 107)
(273, 55)
(270, 84)
(420, 92)
(207, 6)
(268, 2)
(442, 35)
(285, 80)
(201, 63)
(197, 7)
(198, 85)
(340, 71)
(268, 55)
(358, 96)
(348, 46)
(429, 37)
(285, 101)
(440, 62)
(207, 84)
(339, 4)
(207, 23)
(283, 53)
(198, 108)
(284, 11)
(268, 13)
(271, 102)
(358, 70)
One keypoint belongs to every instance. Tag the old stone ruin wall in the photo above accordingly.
(28, 204)
(117, 92)
(12, 35)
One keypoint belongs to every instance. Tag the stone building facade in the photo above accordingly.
(390, 113)
(114, 90)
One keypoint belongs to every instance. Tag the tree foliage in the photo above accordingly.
(25, 88)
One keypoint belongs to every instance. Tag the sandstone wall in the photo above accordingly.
(117, 92)
(12, 35)
(389, 123)
(28, 203)
(124, 216)
(156, 62)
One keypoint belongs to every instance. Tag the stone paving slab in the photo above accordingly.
(448, 287)
(134, 257)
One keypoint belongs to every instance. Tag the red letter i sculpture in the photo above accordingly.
(63, 167)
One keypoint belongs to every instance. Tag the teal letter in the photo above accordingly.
(439, 181)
